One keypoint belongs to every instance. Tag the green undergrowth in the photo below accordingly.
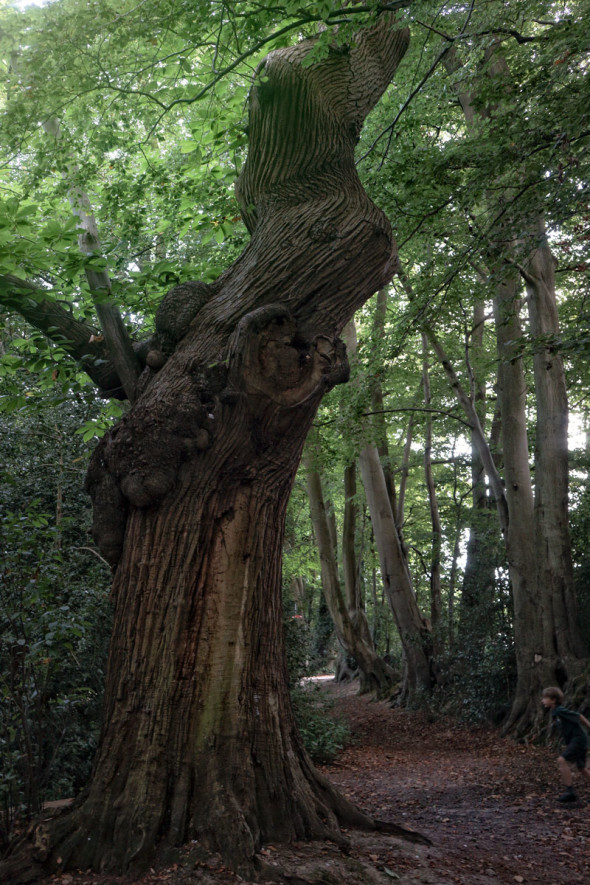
(324, 734)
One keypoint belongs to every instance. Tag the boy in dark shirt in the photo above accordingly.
(574, 737)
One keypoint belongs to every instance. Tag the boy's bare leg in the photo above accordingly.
(565, 771)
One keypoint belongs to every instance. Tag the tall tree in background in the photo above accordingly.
(495, 181)
(377, 478)
(190, 489)
(344, 604)
(549, 647)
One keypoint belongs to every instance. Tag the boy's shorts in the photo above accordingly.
(575, 752)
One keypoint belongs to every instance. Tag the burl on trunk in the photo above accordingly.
(190, 491)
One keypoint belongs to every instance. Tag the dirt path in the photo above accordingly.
(487, 804)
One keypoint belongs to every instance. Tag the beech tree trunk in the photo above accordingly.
(435, 581)
(554, 652)
(552, 531)
(519, 537)
(395, 573)
(479, 581)
(412, 627)
(190, 491)
(549, 648)
(355, 603)
(350, 621)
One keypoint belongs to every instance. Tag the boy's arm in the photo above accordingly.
(584, 721)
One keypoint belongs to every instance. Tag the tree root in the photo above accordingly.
(37, 854)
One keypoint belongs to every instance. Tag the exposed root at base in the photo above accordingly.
(71, 839)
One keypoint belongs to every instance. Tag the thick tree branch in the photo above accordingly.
(82, 341)
(117, 338)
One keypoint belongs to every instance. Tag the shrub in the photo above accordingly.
(54, 627)
(323, 734)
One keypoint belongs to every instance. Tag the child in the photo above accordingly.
(574, 737)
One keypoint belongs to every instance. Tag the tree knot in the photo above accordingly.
(271, 357)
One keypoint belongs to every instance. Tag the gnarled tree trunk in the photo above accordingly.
(190, 491)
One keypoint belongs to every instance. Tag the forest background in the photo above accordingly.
(437, 533)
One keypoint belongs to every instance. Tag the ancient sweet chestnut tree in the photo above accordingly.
(190, 490)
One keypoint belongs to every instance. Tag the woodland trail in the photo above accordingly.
(487, 804)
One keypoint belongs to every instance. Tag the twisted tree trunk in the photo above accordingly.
(190, 491)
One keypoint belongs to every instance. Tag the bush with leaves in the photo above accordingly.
(54, 613)
(323, 733)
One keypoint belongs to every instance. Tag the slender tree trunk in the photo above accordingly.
(478, 590)
(352, 587)
(378, 422)
(397, 582)
(380, 494)
(435, 582)
(467, 402)
(403, 481)
(351, 628)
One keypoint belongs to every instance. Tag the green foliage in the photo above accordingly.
(485, 689)
(52, 626)
(298, 646)
(580, 529)
(323, 734)
(479, 675)
(54, 611)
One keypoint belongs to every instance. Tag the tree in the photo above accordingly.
(376, 473)
(190, 489)
(549, 647)
(495, 196)
(347, 613)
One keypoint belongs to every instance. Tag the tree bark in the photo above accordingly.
(519, 538)
(549, 648)
(349, 620)
(551, 455)
(403, 480)
(395, 572)
(435, 581)
(352, 588)
(190, 491)
(396, 578)
(479, 581)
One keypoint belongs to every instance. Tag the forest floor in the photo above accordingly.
(488, 806)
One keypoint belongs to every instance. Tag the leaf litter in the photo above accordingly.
(488, 805)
